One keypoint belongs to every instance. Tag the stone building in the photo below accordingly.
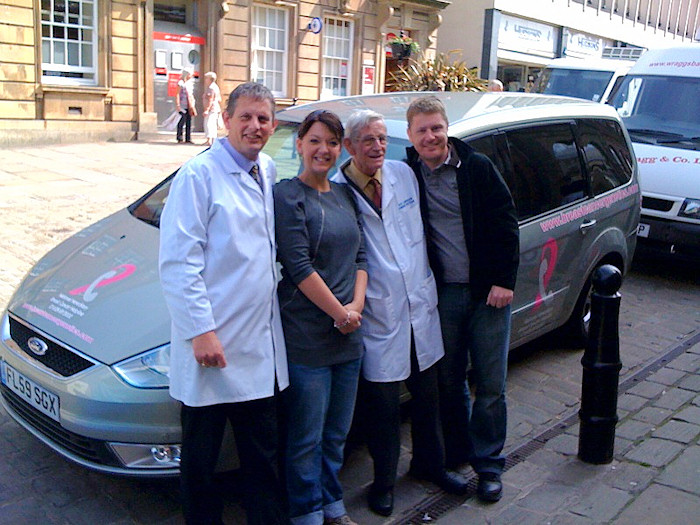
(78, 70)
(513, 39)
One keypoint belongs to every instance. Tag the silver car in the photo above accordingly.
(84, 352)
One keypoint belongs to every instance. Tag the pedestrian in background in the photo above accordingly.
(473, 245)
(227, 355)
(184, 102)
(211, 102)
(400, 326)
(322, 293)
(495, 85)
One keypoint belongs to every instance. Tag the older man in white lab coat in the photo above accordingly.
(217, 267)
(400, 325)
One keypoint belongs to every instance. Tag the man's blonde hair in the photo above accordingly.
(427, 104)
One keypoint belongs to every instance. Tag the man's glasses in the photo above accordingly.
(370, 140)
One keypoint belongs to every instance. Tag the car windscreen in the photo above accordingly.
(579, 83)
(660, 109)
(281, 147)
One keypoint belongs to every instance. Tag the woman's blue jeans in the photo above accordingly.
(474, 335)
(320, 405)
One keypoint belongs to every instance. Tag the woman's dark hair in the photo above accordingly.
(328, 118)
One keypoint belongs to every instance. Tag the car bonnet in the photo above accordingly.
(99, 292)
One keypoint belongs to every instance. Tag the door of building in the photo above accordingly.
(176, 46)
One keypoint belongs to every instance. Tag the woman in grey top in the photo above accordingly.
(322, 294)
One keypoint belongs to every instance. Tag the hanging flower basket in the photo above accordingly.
(400, 50)
(403, 47)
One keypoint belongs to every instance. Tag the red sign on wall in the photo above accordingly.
(186, 39)
(173, 79)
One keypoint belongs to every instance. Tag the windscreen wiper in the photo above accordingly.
(692, 140)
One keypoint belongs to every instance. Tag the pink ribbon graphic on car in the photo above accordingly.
(548, 261)
(115, 274)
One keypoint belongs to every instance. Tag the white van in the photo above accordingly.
(587, 78)
(659, 102)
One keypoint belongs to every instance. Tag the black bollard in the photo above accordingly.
(601, 370)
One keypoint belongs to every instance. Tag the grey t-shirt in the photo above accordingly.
(445, 219)
(319, 232)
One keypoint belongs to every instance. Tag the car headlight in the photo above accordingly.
(690, 209)
(148, 370)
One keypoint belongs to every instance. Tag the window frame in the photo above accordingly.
(93, 71)
(255, 48)
(350, 25)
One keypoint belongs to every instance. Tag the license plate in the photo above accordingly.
(34, 394)
(643, 230)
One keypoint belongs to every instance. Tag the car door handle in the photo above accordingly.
(586, 225)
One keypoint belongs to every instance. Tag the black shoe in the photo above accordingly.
(381, 501)
(489, 489)
(450, 482)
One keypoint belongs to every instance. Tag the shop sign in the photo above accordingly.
(526, 36)
(583, 45)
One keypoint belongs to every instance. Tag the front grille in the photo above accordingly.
(89, 449)
(651, 203)
(57, 358)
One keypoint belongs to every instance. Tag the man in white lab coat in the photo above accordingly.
(217, 268)
(400, 324)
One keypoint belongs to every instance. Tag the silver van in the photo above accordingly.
(84, 343)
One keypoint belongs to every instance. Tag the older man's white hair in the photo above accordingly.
(359, 120)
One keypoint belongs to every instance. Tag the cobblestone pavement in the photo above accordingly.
(48, 193)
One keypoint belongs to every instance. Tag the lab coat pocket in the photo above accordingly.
(428, 292)
(410, 224)
(426, 328)
(378, 315)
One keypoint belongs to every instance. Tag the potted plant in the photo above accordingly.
(403, 46)
(442, 73)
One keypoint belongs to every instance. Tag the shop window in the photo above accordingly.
(337, 58)
(270, 48)
(170, 13)
(69, 41)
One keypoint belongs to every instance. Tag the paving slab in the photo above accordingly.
(601, 504)
(679, 431)
(690, 414)
(684, 472)
(654, 452)
(673, 398)
(659, 504)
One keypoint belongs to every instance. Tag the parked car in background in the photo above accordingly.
(586, 78)
(84, 351)
(659, 101)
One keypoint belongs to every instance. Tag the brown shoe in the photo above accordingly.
(341, 520)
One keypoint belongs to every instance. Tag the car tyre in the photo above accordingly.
(578, 325)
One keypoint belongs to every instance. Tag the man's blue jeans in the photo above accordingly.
(478, 335)
(320, 405)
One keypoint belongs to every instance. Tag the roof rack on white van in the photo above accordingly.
(623, 53)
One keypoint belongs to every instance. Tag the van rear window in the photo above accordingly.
(546, 169)
(608, 159)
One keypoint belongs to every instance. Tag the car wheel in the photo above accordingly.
(578, 326)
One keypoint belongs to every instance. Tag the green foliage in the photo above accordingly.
(406, 41)
(442, 73)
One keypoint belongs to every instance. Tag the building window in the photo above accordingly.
(69, 41)
(337, 63)
(269, 46)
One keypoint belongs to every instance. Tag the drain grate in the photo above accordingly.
(437, 505)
